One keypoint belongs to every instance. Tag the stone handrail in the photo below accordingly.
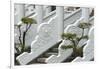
(71, 18)
(64, 54)
(47, 33)
(46, 38)
(53, 13)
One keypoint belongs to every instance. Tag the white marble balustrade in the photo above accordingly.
(72, 28)
(49, 32)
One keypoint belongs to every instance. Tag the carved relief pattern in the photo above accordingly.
(46, 35)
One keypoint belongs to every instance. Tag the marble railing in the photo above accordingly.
(69, 18)
(64, 54)
(53, 13)
(47, 36)
(29, 10)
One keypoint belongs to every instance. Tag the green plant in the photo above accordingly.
(22, 34)
(77, 51)
(66, 47)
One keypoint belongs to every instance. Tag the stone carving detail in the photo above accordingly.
(46, 38)
(46, 33)
(64, 54)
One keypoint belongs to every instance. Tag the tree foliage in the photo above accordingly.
(22, 34)
(84, 25)
(27, 20)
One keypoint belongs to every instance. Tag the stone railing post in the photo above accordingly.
(39, 11)
(20, 12)
(48, 10)
(85, 14)
(29, 9)
(60, 20)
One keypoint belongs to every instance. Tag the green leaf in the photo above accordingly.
(77, 38)
(27, 20)
(27, 49)
(66, 47)
(79, 51)
(84, 25)
(68, 36)
(85, 37)
(63, 36)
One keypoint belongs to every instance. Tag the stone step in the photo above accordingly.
(69, 59)
(54, 50)
(57, 44)
(41, 60)
(45, 55)
(50, 53)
